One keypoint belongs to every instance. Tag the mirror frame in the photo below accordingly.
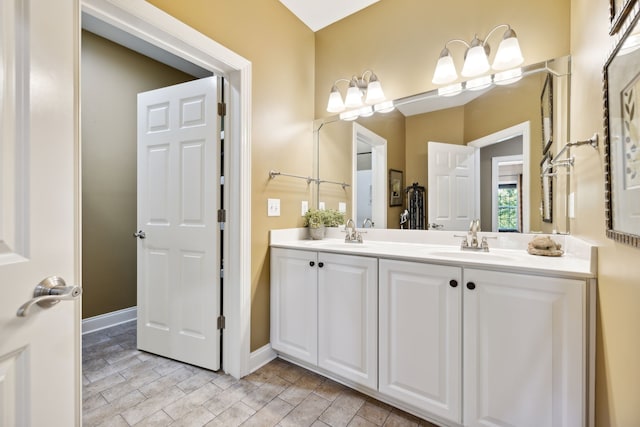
(617, 235)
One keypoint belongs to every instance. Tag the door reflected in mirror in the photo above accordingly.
(469, 119)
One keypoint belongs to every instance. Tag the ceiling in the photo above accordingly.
(317, 14)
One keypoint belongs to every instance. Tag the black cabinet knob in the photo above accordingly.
(311, 263)
(453, 283)
(471, 286)
(321, 264)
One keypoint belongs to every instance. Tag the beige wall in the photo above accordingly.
(618, 348)
(281, 50)
(111, 78)
(400, 40)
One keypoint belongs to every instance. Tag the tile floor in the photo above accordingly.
(123, 386)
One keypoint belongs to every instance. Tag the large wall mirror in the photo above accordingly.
(501, 126)
(622, 136)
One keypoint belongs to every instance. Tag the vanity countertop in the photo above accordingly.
(507, 252)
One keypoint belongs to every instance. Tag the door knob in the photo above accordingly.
(140, 234)
(48, 293)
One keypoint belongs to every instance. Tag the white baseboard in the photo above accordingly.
(107, 320)
(261, 357)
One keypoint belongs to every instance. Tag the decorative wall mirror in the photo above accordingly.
(622, 134)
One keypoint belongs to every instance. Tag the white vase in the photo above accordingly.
(317, 233)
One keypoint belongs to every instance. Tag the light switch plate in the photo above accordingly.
(342, 207)
(321, 206)
(273, 207)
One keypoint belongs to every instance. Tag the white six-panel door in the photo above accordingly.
(178, 191)
(39, 211)
(452, 198)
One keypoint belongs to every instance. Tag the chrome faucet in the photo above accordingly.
(470, 241)
(353, 236)
(367, 221)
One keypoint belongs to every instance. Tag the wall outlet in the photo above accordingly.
(304, 207)
(273, 207)
(342, 207)
(321, 206)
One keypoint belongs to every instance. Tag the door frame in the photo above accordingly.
(521, 129)
(378, 171)
(148, 23)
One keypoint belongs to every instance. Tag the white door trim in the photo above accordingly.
(145, 21)
(523, 129)
(378, 171)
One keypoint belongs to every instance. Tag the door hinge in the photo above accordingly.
(222, 109)
(221, 322)
(222, 215)
(222, 273)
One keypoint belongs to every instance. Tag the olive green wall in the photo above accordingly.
(618, 297)
(281, 50)
(112, 76)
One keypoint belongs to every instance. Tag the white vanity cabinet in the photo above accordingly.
(458, 343)
(420, 336)
(324, 311)
(524, 350)
(294, 303)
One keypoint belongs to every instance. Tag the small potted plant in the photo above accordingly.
(317, 221)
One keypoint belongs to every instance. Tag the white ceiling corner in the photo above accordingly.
(317, 14)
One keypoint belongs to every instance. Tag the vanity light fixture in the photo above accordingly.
(476, 58)
(366, 86)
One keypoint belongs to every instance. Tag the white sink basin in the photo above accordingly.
(471, 256)
(333, 244)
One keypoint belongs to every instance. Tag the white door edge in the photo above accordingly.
(145, 21)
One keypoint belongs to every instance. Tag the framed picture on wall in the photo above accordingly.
(618, 11)
(395, 187)
(546, 181)
(546, 112)
(622, 135)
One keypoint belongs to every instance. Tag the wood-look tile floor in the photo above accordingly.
(123, 386)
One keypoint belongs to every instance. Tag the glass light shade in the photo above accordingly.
(476, 62)
(450, 90)
(507, 77)
(445, 69)
(374, 92)
(508, 54)
(479, 83)
(384, 107)
(365, 111)
(349, 115)
(354, 96)
(335, 104)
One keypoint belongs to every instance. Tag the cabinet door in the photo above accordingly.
(294, 302)
(348, 317)
(523, 350)
(420, 336)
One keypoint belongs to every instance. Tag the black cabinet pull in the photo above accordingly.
(321, 264)
(453, 283)
(471, 286)
(311, 263)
